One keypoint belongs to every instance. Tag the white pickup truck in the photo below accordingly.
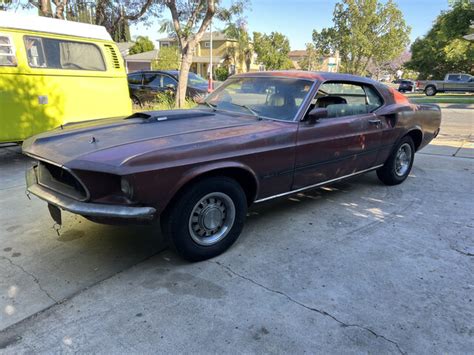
(451, 83)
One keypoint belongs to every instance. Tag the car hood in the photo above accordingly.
(108, 144)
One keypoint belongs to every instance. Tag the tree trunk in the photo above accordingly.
(60, 6)
(186, 59)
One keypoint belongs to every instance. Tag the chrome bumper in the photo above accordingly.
(84, 208)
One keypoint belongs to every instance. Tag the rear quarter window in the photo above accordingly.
(53, 53)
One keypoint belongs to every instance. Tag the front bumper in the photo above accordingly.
(85, 208)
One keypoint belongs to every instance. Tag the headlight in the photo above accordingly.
(126, 188)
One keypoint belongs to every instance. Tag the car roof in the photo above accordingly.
(169, 72)
(310, 75)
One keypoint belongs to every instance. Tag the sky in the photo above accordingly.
(297, 18)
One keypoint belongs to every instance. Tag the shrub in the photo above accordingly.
(221, 73)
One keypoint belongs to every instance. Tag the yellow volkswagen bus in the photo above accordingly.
(55, 71)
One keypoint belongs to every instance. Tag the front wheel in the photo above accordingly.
(398, 166)
(206, 218)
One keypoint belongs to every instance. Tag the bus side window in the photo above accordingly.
(7, 52)
(35, 52)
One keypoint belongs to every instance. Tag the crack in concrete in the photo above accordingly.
(322, 312)
(35, 279)
(463, 252)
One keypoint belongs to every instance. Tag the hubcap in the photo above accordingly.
(403, 160)
(211, 218)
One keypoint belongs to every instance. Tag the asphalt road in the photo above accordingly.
(357, 267)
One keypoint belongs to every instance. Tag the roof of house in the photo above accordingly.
(142, 57)
(216, 36)
(51, 25)
(298, 53)
(124, 47)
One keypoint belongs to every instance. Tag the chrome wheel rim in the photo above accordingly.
(403, 159)
(211, 219)
(430, 91)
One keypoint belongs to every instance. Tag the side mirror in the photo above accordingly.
(316, 114)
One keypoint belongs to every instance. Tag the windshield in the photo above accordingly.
(196, 80)
(267, 97)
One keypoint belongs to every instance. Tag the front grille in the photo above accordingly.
(60, 180)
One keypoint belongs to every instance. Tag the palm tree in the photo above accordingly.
(241, 51)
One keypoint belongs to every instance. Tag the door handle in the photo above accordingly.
(375, 122)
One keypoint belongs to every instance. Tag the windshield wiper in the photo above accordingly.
(251, 110)
(212, 106)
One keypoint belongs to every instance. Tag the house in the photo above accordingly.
(124, 47)
(470, 37)
(328, 64)
(222, 48)
(140, 61)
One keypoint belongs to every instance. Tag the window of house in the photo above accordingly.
(347, 99)
(60, 54)
(7, 52)
(165, 44)
(207, 44)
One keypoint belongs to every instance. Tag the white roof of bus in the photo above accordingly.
(51, 25)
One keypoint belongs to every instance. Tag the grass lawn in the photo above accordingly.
(442, 98)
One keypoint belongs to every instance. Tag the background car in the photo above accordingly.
(406, 86)
(145, 85)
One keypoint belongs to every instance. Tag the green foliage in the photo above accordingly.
(167, 101)
(272, 50)
(241, 52)
(168, 59)
(312, 60)
(142, 44)
(444, 49)
(364, 31)
(221, 73)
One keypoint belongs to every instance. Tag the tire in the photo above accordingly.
(396, 169)
(430, 90)
(216, 206)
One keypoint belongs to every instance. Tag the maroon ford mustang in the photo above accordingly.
(257, 137)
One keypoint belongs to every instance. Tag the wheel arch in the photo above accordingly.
(416, 134)
(241, 173)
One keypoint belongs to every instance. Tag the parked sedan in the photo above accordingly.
(145, 85)
(406, 86)
(259, 136)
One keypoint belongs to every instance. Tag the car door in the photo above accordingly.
(453, 83)
(344, 143)
(134, 85)
(152, 84)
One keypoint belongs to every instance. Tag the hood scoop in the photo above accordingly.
(169, 115)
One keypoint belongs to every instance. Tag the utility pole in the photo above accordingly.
(210, 86)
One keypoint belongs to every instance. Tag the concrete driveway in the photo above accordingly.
(357, 267)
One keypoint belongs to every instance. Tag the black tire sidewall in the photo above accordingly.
(176, 221)
(427, 91)
(387, 173)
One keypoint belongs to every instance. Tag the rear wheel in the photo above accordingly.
(398, 166)
(430, 90)
(206, 218)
